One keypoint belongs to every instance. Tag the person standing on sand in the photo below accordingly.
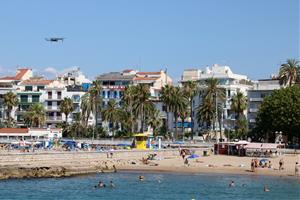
(281, 163)
(296, 169)
(252, 166)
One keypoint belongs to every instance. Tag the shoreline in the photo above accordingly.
(167, 161)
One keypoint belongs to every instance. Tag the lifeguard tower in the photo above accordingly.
(141, 140)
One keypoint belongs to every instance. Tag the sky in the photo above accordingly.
(253, 37)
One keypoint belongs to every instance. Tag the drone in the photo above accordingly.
(55, 39)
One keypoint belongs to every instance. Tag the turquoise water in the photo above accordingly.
(156, 186)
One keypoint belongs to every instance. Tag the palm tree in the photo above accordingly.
(165, 97)
(66, 107)
(238, 104)
(206, 113)
(95, 98)
(128, 99)
(178, 102)
(90, 103)
(190, 90)
(111, 114)
(36, 115)
(10, 101)
(155, 121)
(216, 96)
(182, 114)
(142, 105)
(289, 72)
(86, 108)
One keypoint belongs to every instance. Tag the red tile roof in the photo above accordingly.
(36, 82)
(19, 75)
(127, 70)
(148, 73)
(13, 130)
(145, 78)
(8, 78)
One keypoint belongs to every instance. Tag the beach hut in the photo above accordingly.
(141, 140)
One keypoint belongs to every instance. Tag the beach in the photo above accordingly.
(60, 164)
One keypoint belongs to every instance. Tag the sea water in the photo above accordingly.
(155, 186)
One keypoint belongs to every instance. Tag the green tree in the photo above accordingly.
(128, 118)
(238, 105)
(111, 114)
(190, 90)
(289, 73)
(178, 102)
(215, 95)
(155, 121)
(90, 103)
(142, 105)
(66, 107)
(10, 101)
(165, 97)
(279, 112)
(95, 98)
(35, 116)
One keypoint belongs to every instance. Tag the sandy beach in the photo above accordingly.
(57, 164)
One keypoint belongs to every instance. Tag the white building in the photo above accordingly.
(29, 133)
(8, 84)
(114, 84)
(230, 81)
(261, 89)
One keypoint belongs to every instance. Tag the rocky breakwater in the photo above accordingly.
(32, 172)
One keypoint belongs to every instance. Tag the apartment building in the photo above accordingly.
(8, 84)
(261, 89)
(228, 80)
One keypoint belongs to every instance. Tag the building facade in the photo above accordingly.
(228, 80)
(261, 89)
(8, 84)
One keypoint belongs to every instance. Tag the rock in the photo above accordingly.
(32, 172)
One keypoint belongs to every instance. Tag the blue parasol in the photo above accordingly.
(193, 156)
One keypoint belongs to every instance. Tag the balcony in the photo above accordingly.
(52, 108)
(53, 118)
(253, 110)
(252, 121)
(256, 99)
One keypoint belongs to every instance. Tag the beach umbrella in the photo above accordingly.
(193, 156)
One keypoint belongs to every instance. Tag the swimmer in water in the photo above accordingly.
(266, 189)
(141, 178)
(231, 184)
(101, 184)
(111, 184)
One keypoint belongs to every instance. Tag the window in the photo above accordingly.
(35, 98)
(103, 94)
(115, 94)
(228, 93)
(121, 94)
(59, 95)
(108, 94)
(28, 88)
(49, 95)
(40, 87)
(24, 98)
(49, 103)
